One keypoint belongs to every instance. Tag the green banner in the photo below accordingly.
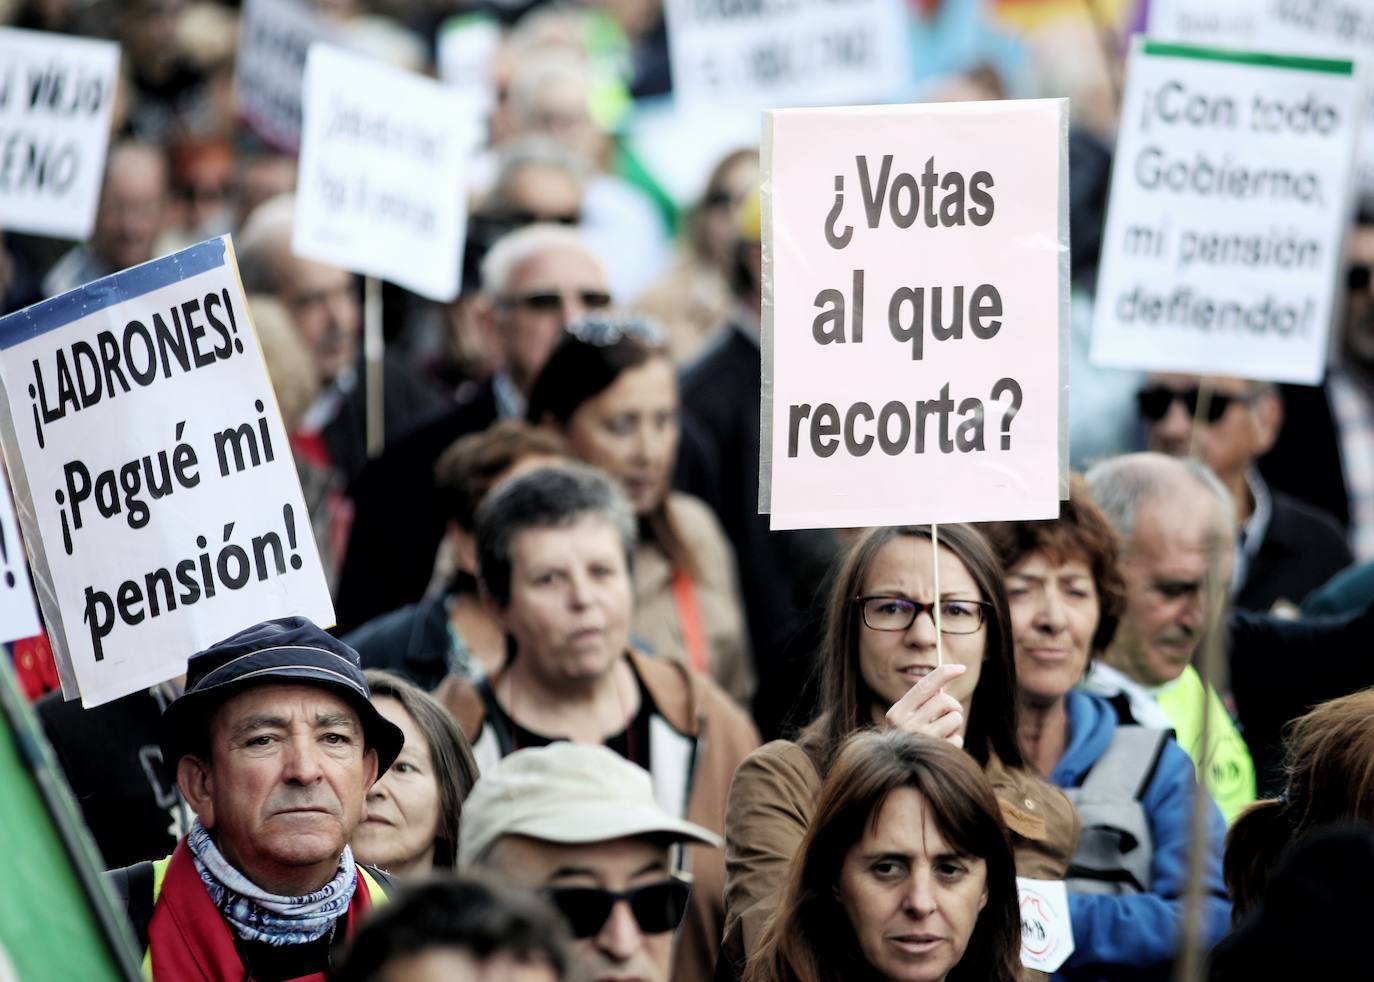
(57, 919)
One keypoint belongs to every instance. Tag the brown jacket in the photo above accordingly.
(702, 739)
(658, 620)
(774, 795)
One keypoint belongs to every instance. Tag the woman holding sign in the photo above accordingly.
(882, 668)
(1133, 786)
(905, 873)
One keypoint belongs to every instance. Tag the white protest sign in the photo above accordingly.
(1046, 928)
(1321, 28)
(768, 53)
(466, 45)
(152, 474)
(381, 179)
(274, 36)
(18, 616)
(56, 97)
(915, 278)
(1230, 198)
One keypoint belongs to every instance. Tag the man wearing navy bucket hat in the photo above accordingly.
(275, 743)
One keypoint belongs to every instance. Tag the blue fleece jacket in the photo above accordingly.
(1136, 937)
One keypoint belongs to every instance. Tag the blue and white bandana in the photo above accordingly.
(256, 915)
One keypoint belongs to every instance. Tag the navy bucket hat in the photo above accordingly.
(289, 650)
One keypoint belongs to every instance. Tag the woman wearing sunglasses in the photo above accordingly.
(610, 391)
(905, 874)
(880, 668)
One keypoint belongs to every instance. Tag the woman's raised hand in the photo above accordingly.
(927, 709)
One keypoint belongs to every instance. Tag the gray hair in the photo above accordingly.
(259, 244)
(549, 497)
(535, 151)
(514, 249)
(1121, 485)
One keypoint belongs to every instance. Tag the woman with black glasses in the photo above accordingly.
(881, 667)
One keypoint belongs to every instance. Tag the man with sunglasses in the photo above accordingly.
(580, 824)
(1285, 548)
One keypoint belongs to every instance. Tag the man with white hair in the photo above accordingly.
(1176, 522)
(534, 282)
(323, 303)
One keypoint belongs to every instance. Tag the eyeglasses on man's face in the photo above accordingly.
(1155, 401)
(882, 613)
(551, 301)
(657, 907)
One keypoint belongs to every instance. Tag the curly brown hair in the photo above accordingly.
(1080, 532)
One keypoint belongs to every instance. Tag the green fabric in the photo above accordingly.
(49, 925)
(1231, 777)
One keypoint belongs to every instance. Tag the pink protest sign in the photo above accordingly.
(915, 296)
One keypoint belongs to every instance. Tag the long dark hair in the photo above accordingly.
(580, 370)
(811, 939)
(846, 698)
(455, 768)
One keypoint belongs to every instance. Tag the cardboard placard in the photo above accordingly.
(381, 188)
(1230, 199)
(772, 53)
(56, 97)
(915, 295)
(152, 474)
(274, 37)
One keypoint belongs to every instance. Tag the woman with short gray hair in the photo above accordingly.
(553, 549)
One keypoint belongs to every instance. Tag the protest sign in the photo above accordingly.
(152, 474)
(56, 97)
(274, 36)
(766, 53)
(915, 295)
(1046, 924)
(1320, 28)
(466, 45)
(381, 176)
(1230, 197)
(18, 616)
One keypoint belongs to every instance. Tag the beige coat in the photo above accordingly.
(769, 809)
(657, 619)
(698, 737)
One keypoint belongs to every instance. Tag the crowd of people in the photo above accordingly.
(584, 715)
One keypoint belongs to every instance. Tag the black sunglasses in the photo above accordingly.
(1154, 402)
(550, 301)
(657, 907)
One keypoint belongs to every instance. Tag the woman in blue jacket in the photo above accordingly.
(1132, 785)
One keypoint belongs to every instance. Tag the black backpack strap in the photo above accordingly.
(133, 885)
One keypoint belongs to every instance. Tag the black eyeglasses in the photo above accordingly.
(606, 331)
(1154, 402)
(899, 613)
(657, 907)
(551, 301)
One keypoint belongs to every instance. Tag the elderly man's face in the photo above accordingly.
(285, 784)
(324, 308)
(620, 949)
(1166, 566)
(544, 293)
(570, 600)
(1245, 430)
(134, 202)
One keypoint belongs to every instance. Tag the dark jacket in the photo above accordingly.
(1302, 549)
(1282, 668)
(398, 517)
(780, 572)
(413, 642)
(113, 762)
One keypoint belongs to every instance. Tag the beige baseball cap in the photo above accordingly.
(569, 793)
